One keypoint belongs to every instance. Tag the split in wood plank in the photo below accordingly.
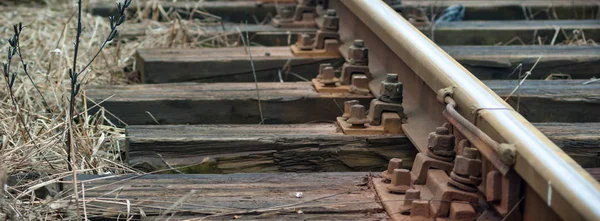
(216, 33)
(508, 9)
(552, 101)
(232, 11)
(500, 62)
(281, 196)
(226, 64)
(501, 32)
(303, 147)
(261, 148)
(220, 103)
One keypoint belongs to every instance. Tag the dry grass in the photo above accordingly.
(32, 168)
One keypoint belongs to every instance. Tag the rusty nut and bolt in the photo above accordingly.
(358, 54)
(321, 67)
(467, 164)
(391, 89)
(360, 81)
(331, 22)
(328, 76)
(358, 118)
(401, 181)
(441, 142)
(347, 106)
(466, 174)
(304, 42)
(411, 195)
(395, 163)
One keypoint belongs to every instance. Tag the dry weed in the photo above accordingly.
(33, 168)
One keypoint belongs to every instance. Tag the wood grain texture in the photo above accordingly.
(581, 141)
(304, 147)
(552, 101)
(498, 62)
(235, 103)
(225, 64)
(247, 196)
(265, 35)
(220, 103)
(494, 32)
(261, 148)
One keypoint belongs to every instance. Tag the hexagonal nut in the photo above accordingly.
(331, 21)
(391, 89)
(467, 167)
(359, 56)
(442, 145)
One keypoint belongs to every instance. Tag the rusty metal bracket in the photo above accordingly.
(389, 100)
(325, 43)
(302, 16)
(327, 82)
(357, 62)
(356, 122)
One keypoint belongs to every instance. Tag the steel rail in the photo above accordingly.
(570, 191)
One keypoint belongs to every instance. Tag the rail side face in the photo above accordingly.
(396, 46)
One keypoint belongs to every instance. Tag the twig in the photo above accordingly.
(17, 43)
(246, 43)
(10, 78)
(527, 73)
(174, 205)
(168, 165)
(592, 80)
(557, 30)
(513, 208)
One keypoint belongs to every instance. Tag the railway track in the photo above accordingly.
(440, 108)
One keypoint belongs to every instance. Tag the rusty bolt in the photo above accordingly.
(441, 142)
(304, 42)
(358, 54)
(420, 208)
(410, 195)
(391, 89)
(331, 22)
(467, 164)
(358, 117)
(321, 67)
(401, 181)
(328, 76)
(360, 81)
(395, 163)
(347, 106)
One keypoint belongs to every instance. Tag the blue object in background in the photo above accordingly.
(452, 13)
